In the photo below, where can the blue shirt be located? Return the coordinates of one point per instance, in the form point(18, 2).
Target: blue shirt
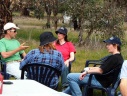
point(124, 70)
point(52, 58)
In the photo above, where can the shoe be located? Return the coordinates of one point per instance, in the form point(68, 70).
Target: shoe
point(119, 93)
point(64, 86)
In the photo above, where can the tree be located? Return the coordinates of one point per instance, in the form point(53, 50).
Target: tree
point(50, 6)
point(48, 9)
point(55, 12)
point(24, 7)
point(100, 18)
point(5, 14)
point(76, 10)
point(123, 5)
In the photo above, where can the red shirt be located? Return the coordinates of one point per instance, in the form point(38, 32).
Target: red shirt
point(65, 49)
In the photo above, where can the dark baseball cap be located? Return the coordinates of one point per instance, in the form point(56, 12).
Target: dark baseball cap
point(62, 30)
point(113, 40)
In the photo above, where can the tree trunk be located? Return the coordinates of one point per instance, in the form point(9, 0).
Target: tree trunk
point(5, 14)
point(75, 23)
point(48, 10)
point(55, 12)
point(80, 37)
point(86, 41)
point(126, 15)
point(80, 40)
point(48, 21)
point(55, 22)
point(25, 12)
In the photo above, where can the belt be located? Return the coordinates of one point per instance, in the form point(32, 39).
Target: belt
point(14, 61)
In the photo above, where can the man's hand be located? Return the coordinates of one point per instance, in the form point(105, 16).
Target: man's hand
point(23, 47)
point(81, 77)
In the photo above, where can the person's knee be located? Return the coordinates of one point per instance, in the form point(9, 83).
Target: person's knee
point(73, 77)
point(70, 76)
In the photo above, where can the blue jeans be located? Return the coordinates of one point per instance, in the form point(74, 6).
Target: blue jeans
point(75, 82)
point(64, 74)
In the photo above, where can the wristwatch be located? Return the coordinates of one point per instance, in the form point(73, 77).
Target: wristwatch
point(86, 71)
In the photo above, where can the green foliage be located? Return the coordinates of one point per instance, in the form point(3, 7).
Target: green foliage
point(62, 8)
point(99, 17)
point(39, 13)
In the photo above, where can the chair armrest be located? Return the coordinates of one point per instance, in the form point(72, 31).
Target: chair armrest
point(91, 75)
point(93, 62)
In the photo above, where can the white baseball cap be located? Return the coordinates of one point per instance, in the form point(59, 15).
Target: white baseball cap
point(10, 25)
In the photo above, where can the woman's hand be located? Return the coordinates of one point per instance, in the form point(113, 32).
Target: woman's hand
point(66, 63)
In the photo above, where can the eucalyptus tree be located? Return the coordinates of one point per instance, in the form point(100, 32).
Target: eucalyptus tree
point(51, 6)
point(86, 13)
point(48, 6)
point(5, 14)
point(55, 7)
point(123, 5)
point(99, 17)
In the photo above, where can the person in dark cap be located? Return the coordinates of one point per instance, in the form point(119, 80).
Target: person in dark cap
point(68, 50)
point(113, 61)
point(113, 40)
point(46, 53)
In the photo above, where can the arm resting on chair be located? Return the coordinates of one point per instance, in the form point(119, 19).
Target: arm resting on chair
point(112, 71)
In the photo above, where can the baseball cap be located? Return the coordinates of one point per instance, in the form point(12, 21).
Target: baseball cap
point(10, 25)
point(62, 30)
point(113, 40)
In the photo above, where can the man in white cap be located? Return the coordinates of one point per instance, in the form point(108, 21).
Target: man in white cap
point(11, 50)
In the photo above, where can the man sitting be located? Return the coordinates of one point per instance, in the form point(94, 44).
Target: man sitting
point(11, 50)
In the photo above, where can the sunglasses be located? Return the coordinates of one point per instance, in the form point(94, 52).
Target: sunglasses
point(13, 31)
point(59, 33)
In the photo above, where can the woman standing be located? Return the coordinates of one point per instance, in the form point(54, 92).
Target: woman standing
point(68, 50)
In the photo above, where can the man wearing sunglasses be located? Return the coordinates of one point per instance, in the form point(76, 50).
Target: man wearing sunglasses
point(11, 50)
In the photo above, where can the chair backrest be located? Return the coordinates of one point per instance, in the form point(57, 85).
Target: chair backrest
point(40, 72)
point(3, 70)
point(116, 81)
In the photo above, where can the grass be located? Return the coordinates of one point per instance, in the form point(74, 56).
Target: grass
point(31, 28)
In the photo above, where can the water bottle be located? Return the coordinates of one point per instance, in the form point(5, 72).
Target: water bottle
point(1, 83)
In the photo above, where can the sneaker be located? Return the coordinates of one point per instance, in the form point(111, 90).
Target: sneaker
point(119, 93)
point(64, 86)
